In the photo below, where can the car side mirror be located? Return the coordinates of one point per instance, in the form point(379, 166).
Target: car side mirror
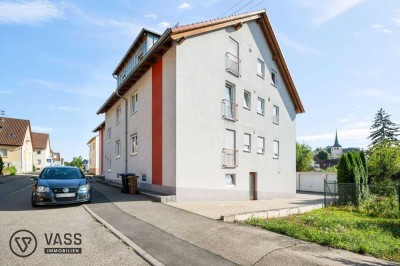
point(35, 178)
point(88, 177)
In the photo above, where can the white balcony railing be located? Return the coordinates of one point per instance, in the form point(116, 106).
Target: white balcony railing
point(229, 158)
point(232, 64)
point(229, 110)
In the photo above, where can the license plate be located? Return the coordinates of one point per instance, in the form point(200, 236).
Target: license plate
point(65, 195)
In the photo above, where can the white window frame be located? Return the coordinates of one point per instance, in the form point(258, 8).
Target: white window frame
point(118, 115)
point(38, 161)
point(247, 148)
point(233, 178)
point(134, 103)
point(262, 111)
point(275, 149)
point(109, 134)
point(262, 64)
point(262, 151)
point(109, 164)
point(274, 77)
point(4, 152)
point(118, 149)
point(247, 105)
point(134, 144)
point(275, 114)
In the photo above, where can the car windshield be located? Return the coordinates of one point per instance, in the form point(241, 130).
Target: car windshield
point(61, 173)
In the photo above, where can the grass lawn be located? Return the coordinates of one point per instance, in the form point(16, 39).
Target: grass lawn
point(341, 228)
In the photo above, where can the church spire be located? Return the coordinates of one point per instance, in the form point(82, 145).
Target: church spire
point(336, 141)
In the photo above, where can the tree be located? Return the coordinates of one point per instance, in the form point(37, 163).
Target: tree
point(304, 157)
point(384, 162)
point(321, 154)
point(383, 129)
point(1, 165)
point(344, 173)
point(76, 161)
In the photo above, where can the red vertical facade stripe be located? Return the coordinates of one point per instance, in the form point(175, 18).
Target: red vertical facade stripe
point(157, 123)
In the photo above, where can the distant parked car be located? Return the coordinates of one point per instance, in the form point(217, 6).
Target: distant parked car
point(61, 185)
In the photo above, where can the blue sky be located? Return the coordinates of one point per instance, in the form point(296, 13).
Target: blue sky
point(57, 58)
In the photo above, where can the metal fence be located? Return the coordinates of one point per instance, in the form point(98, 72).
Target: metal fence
point(352, 194)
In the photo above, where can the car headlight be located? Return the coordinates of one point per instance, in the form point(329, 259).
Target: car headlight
point(84, 188)
point(42, 189)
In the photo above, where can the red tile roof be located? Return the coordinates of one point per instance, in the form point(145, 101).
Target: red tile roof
point(12, 131)
point(39, 140)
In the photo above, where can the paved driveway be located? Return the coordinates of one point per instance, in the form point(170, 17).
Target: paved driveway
point(216, 209)
point(99, 246)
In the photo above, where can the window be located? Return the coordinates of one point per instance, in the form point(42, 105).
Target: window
point(109, 134)
point(118, 148)
point(275, 114)
point(118, 115)
point(3, 152)
point(260, 145)
point(275, 152)
point(260, 106)
point(247, 142)
point(134, 144)
point(260, 68)
point(144, 177)
point(228, 104)
point(274, 78)
point(140, 55)
point(123, 75)
point(247, 100)
point(38, 152)
point(229, 151)
point(109, 164)
point(134, 103)
point(232, 57)
point(38, 161)
point(229, 180)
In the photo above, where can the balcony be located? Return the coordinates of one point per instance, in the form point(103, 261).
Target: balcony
point(229, 110)
point(232, 64)
point(229, 158)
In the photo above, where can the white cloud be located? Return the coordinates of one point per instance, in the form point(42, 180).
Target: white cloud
point(185, 6)
point(378, 95)
point(387, 31)
point(328, 10)
point(152, 16)
point(41, 129)
point(396, 21)
point(28, 12)
point(376, 26)
point(64, 108)
point(380, 27)
point(344, 120)
point(6, 92)
point(368, 93)
point(164, 24)
point(292, 44)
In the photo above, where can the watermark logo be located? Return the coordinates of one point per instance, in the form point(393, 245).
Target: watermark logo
point(23, 243)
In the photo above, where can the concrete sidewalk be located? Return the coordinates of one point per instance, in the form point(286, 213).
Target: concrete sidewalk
point(163, 231)
point(218, 209)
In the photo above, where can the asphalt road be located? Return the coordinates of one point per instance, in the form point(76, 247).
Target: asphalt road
point(69, 227)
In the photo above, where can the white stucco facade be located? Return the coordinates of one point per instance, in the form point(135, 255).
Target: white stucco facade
point(193, 133)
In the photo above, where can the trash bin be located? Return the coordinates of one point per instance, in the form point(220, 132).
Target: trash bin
point(132, 183)
point(124, 178)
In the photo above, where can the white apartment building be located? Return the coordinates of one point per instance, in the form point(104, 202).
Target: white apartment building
point(205, 111)
point(94, 154)
point(41, 150)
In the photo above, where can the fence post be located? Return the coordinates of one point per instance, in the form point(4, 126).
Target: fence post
point(324, 192)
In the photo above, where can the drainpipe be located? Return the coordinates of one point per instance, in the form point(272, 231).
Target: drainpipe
point(126, 129)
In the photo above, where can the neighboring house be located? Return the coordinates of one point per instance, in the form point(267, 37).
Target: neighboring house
point(324, 164)
point(94, 150)
point(205, 111)
point(41, 150)
point(16, 144)
point(57, 160)
point(100, 150)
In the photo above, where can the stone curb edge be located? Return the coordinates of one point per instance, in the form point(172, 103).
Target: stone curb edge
point(138, 250)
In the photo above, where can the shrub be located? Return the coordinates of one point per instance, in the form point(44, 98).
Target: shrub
point(1, 166)
point(33, 168)
point(381, 207)
point(12, 170)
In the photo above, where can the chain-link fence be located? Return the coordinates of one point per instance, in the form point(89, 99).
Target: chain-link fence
point(354, 194)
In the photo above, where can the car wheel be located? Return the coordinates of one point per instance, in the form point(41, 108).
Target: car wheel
point(33, 203)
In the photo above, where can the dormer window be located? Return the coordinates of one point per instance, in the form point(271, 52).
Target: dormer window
point(140, 56)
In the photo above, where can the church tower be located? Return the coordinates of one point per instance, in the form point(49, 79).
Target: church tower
point(336, 150)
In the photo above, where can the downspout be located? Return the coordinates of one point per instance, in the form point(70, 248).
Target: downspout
point(126, 129)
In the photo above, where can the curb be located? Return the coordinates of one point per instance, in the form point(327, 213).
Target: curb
point(138, 250)
point(239, 217)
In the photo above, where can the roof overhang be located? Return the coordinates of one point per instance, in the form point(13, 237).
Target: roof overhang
point(102, 125)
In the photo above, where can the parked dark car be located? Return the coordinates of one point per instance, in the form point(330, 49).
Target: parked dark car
point(61, 185)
